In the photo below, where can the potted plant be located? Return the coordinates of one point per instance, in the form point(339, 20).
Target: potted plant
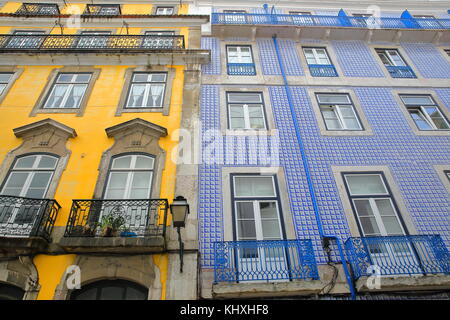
point(111, 224)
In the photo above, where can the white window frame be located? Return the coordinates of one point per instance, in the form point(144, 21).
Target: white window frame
point(336, 109)
point(423, 114)
point(239, 55)
point(70, 85)
point(372, 202)
point(4, 84)
point(316, 55)
point(388, 55)
point(130, 175)
point(147, 90)
point(163, 11)
point(245, 106)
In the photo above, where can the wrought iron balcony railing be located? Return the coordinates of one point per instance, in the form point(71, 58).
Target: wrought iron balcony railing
point(38, 9)
point(329, 21)
point(26, 217)
point(322, 70)
point(397, 255)
point(401, 72)
point(268, 260)
point(126, 218)
point(89, 43)
point(241, 69)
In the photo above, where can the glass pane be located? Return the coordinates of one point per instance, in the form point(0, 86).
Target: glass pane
point(392, 226)
point(257, 123)
point(417, 100)
point(40, 179)
point(65, 77)
point(117, 180)
point(333, 98)
point(237, 123)
point(420, 121)
point(255, 111)
point(74, 96)
point(56, 96)
point(333, 124)
point(25, 162)
point(369, 226)
point(112, 293)
point(4, 77)
point(385, 207)
point(351, 123)
point(35, 193)
point(254, 187)
point(271, 229)
point(237, 111)
point(143, 162)
point(246, 229)
point(133, 294)
point(136, 98)
point(90, 294)
point(268, 210)
point(245, 97)
point(122, 162)
point(141, 180)
point(47, 162)
point(141, 77)
point(17, 179)
point(245, 210)
point(363, 208)
point(365, 184)
point(158, 77)
point(155, 95)
point(139, 193)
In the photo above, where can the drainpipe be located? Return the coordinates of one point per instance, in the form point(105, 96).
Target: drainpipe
point(325, 238)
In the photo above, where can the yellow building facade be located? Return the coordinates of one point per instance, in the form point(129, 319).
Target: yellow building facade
point(91, 101)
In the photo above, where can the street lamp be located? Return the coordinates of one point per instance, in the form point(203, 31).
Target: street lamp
point(179, 209)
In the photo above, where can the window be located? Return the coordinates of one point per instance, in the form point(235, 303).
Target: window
point(9, 292)
point(246, 110)
point(4, 81)
point(26, 39)
point(256, 208)
point(30, 176)
point(447, 173)
point(302, 18)
point(130, 177)
point(447, 52)
point(111, 290)
point(338, 112)
point(147, 90)
point(373, 204)
point(93, 39)
point(395, 64)
point(319, 63)
point(240, 60)
point(158, 39)
point(164, 10)
point(235, 16)
point(360, 19)
point(428, 22)
point(103, 10)
point(42, 8)
point(425, 112)
point(68, 90)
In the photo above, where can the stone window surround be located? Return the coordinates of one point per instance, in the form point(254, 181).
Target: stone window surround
point(283, 197)
point(345, 200)
point(331, 56)
point(373, 48)
point(53, 132)
point(421, 91)
point(123, 145)
point(440, 169)
point(165, 109)
point(367, 129)
point(17, 72)
point(165, 5)
point(267, 108)
point(21, 273)
point(258, 78)
point(51, 80)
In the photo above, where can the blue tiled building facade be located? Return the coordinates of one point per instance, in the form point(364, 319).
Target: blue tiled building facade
point(417, 161)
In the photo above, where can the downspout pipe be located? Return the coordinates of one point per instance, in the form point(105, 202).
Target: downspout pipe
point(325, 238)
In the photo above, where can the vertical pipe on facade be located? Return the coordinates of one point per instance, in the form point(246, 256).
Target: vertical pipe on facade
point(308, 173)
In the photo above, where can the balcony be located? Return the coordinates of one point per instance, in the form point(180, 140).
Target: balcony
point(269, 260)
point(399, 255)
point(401, 72)
point(116, 226)
point(322, 70)
point(329, 21)
point(44, 9)
point(89, 43)
point(26, 224)
point(241, 69)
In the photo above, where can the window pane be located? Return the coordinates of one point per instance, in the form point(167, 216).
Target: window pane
point(16, 181)
point(254, 187)
point(56, 96)
point(257, 123)
point(155, 95)
point(270, 229)
point(143, 162)
point(122, 162)
point(5, 77)
point(420, 120)
point(245, 210)
point(333, 98)
point(363, 208)
point(365, 184)
point(385, 207)
point(245, 97)
point(246, 229)
point(237, 111)
point(136, 98)
point(112, 293)
point(40, 179)
point(47, 162)
point(74, 96)
point(237, 123)
point(25, 162)
point(141, 180)
point(417, 100)
point(118, 180)
point(392, 226)
point(268, 210)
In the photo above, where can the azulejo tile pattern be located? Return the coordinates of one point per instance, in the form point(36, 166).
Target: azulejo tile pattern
point(428, 59)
